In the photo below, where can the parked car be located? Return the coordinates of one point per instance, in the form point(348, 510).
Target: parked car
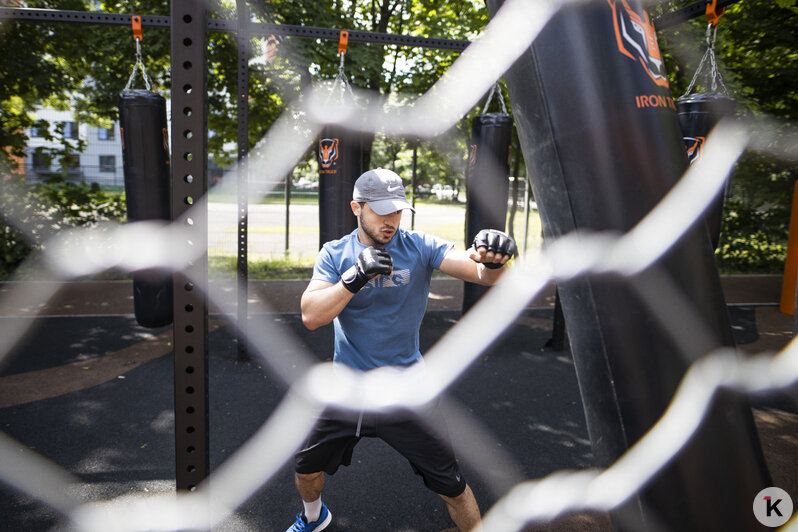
point(306, 184)
point(443, 192)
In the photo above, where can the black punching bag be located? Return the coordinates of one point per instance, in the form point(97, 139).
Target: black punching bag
point(487, 185)
point(600, 134)
point(145, 156)
point(340, 154)
point(698, 114)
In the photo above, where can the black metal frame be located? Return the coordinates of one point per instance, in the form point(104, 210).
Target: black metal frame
point(232, 26)
point(189, 184)
point(242, 270)
point(189, 26)
point(310, 32)
point(689, 12)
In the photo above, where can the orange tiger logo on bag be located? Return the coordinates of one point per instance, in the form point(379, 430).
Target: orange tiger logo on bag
point(328, 152)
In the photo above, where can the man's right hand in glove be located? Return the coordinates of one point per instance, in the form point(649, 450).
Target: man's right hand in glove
point(370, 263)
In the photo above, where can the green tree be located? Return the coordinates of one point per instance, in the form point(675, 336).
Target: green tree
point(758, 59)
point(45, 209)
point(70, 66)
point(84, 67)
point(403, 72)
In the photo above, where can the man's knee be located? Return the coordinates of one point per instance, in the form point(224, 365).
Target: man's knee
point(308, 477)
point(465, 495)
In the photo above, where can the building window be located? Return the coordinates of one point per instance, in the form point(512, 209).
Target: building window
point(71, 164)
point(105, 133)
point(38, 129)
point(41, 160)
point(70, 130)
point(107, 163)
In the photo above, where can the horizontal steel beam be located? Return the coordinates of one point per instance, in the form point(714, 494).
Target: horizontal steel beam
point(678, 16)
point(311, 32)
point(84, 17)
point(222, 25)
point(308, 32)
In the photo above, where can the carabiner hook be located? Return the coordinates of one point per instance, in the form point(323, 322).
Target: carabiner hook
point(138, 33)
point(712, 12)
point(343, 40)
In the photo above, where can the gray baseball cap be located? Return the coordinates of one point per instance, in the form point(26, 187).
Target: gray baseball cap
point(383, 190)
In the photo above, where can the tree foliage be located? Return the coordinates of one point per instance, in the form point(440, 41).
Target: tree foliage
point(45, 209)
point(399, 71)
point(758, 59)
point(84, 67)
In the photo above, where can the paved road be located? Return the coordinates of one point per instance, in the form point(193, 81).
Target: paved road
point(94, 395)
point(111, 421)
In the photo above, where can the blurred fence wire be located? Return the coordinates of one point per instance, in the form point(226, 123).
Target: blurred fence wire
point(139, 246)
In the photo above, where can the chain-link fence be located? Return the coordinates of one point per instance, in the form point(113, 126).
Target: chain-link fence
point(133, 247)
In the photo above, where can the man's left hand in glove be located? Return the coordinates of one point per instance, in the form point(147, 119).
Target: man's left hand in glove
point(493, 248)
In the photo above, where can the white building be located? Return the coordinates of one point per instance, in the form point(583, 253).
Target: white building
point(100, 162)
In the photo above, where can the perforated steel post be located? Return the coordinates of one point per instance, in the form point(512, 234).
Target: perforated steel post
point(242, 38)
point(189, 185)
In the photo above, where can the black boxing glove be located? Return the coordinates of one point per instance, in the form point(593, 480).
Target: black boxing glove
point(370, 263)
point(498, 242)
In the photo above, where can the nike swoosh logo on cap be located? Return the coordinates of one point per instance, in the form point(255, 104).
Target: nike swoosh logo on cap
point(395, 188)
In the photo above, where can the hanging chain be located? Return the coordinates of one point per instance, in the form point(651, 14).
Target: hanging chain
point(138, 65)
point(341, 83)
point(716, 78)
point(494, 89)
point(713, 78)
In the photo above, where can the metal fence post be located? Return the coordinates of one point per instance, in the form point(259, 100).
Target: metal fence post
point(189, 185)
point(242, 276)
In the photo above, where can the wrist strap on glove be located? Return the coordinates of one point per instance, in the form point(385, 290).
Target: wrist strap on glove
point(353, 280)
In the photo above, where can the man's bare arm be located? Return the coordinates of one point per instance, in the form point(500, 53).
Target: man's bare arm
point(484, 262)
point(463, 265)
point(322, 301)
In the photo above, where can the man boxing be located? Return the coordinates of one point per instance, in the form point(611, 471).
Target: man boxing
point(373, 284)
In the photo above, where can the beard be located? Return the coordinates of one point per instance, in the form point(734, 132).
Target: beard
point(376, 236)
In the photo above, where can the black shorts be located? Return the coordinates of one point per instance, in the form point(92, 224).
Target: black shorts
point(333, 439)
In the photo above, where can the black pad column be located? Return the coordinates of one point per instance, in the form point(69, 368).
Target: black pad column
point(698, 114)
point(340, 154)
point(145, 159)
point(487, 185)
point(599, 129)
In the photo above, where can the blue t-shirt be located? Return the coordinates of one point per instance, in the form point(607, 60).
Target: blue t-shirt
point(380, 325)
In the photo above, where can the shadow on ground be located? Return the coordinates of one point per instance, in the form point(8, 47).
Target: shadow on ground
point(113, 429)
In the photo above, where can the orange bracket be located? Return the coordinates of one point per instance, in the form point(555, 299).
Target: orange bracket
point(343, 40)
point(712, 12)
point(138, 34)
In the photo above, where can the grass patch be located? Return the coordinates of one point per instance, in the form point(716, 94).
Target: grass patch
point(220, 267)
point(304, 197)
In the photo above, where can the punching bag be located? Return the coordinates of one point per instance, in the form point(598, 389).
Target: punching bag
point(145, 157)
point(600, 133)
point(698, 114)
point(340, 155)
point(487, 185)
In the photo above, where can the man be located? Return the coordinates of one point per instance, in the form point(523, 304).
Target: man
point(374, 284)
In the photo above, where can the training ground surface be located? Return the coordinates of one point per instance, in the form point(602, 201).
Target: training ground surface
point(92, 391)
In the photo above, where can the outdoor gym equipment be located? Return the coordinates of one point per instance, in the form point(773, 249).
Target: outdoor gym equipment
point(487, 186)
point(145, 159)
point(189, 26)
point(596, 120)
point(340, 158)
point(700, 112)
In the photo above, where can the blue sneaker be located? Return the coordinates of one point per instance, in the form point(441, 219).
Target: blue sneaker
point(300, 525)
